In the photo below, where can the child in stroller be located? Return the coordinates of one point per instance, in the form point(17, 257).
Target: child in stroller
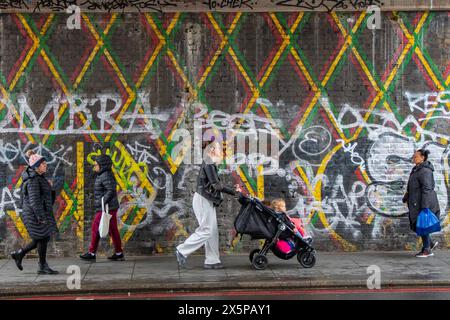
point(284, 236)
point(286, 242)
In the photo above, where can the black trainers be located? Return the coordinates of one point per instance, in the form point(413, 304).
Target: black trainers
point(18, 256)
point(213, 266)
point(45, 269)
point(117, 257)
point(425, 254)
point(88, 256)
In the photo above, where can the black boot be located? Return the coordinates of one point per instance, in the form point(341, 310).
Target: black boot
point(18, 256)
point(45, 269)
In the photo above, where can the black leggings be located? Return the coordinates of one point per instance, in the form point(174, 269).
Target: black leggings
point(41, 246)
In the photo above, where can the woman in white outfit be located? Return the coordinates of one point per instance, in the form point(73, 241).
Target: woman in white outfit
point(207, 197)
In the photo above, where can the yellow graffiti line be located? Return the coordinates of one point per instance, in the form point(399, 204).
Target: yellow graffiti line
point(305, 178)
point(269, 116)
point(245, 180)
point(151, 61)
point(127, 214)
point(339, 24)
point(181, 72)
point(173, 22)
point(211, 64)
point(336, 62)
point(243, 72)
point(446, 172)
point(97, 47)
point(447, 82)
point(284, 44)
point(18, 224)
point(54, 72)
point(370, 219)
point(79, 213)
point(334, 122)
point(69, 204)
point(366, 70)
point(407, 48)
point(138, 218)
point(163, 151)
point(222, 45)
point(359, 22)
point(47, 24)
point(173, 164)
point(253, 89)
point(436, 82)
point(29, 54)
point(429, 70)
point(365, 175)
point(260, 181)
point(155, 28)
point(131, 93)
point(304, 70)
point(310, 108)
point(177, 124)
point(348, 42)
point(149, 64)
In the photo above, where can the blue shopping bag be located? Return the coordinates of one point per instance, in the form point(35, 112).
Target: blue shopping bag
point(427, 223)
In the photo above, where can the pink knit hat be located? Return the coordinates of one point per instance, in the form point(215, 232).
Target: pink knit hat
point(35, 159)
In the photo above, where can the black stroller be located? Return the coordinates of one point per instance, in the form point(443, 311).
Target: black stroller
point(262, 222)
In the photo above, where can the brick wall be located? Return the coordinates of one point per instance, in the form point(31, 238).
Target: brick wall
point(349, 104)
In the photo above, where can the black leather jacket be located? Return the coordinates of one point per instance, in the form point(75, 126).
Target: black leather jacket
point(209, 184)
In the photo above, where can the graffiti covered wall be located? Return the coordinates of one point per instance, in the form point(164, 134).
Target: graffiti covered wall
point(349, 106)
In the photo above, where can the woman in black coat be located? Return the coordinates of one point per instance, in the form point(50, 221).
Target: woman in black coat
point(421, 195)
point(105, 189)
point(37, 212)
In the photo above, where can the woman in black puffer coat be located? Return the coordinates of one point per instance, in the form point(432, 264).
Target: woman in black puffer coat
point(105, 187)
point(37, 212)
point(421, 195)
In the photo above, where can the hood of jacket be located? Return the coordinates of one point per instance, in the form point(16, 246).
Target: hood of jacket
point(426, 164)
point(104, 162)
point(28, 174)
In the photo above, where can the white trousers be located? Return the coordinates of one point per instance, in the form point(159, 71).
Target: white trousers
point(206, 234)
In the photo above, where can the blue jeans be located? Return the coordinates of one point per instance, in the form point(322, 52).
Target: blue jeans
point(426, 242)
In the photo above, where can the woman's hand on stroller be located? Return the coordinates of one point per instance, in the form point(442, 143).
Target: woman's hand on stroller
point(237, 188)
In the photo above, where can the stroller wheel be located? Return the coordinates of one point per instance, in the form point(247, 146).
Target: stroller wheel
point(306, 259)
point(259, 261)
point(252, 254)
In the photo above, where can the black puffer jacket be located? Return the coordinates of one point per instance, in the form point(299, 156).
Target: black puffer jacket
point(37, 205)
point(420, 192)
point(209, 184)
point(105, 185)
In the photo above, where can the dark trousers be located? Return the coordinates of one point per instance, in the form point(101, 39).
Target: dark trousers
point(41, 246)
point(113, 232)
point(426, 242)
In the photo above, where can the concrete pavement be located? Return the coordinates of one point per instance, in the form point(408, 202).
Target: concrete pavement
point(160, 273)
